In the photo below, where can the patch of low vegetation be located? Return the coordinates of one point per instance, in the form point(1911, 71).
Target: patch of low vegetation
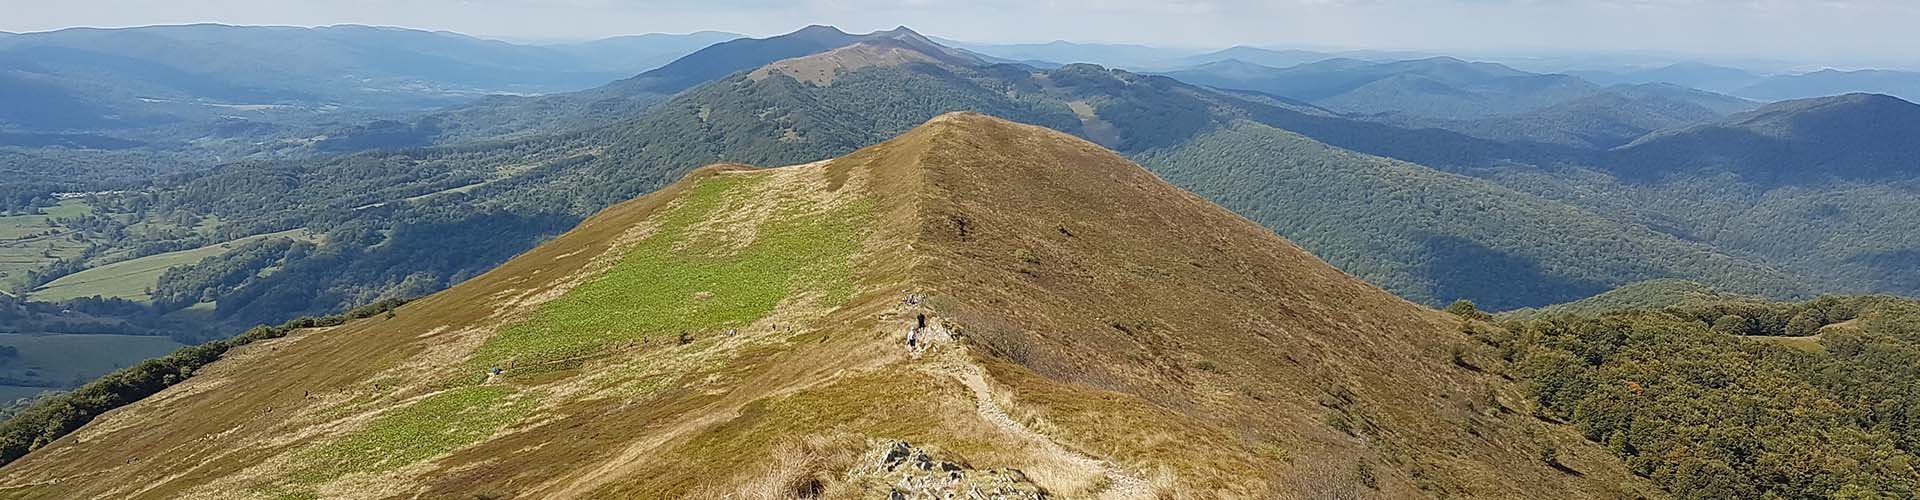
point(681, 281)
point(432, 426)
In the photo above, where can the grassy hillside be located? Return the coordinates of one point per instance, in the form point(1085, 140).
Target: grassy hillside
point(670, 347)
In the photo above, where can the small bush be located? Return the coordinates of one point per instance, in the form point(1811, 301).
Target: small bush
point(1339, 422)
point(1465, 309)
point(1363, 474)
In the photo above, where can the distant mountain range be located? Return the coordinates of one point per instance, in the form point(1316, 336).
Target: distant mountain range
point(1852, 137)
point(1762, 87)
point(632, 54)
point(1440, 87)
point(1058, 53)
point(1686, 74)
point(336, 65)
point(1610, 117)
point(1539, 153)
point(1902, 84)
point(510, 116)
point(1149, 58)
point(1425, 212)
point(200, 92)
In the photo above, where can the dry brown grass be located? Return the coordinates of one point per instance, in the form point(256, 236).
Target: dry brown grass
point(799, 468)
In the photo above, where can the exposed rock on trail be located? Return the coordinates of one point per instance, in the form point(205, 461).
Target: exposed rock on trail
point(898, 471)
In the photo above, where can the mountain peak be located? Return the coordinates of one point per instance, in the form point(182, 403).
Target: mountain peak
point(1855, 136)
point(879, 49)
point(1782, 118)
point(1442, 61)
point(817, 30)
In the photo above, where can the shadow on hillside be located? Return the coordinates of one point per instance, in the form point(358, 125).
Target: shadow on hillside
point(1494, 280)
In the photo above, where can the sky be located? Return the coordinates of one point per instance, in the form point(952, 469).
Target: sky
point(1833, 32)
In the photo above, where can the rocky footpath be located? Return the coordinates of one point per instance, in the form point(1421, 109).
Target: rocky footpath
point(899, 471)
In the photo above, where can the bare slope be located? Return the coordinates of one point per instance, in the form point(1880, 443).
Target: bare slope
point(1091, 332)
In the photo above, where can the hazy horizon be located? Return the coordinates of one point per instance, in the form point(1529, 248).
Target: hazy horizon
point(1845, 34)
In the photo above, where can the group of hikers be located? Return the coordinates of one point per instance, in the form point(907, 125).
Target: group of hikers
point(920, 322)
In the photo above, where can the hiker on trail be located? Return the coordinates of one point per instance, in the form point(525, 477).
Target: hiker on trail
point(913, 333)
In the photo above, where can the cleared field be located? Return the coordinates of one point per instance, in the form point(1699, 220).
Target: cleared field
point(132, 279)
point(69, 360)
point(1809, 344)
point(25, 242)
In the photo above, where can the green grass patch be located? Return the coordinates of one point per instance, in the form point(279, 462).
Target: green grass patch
point(278, 493)
point(685, 280)
point(132, 279)
point(437, 424)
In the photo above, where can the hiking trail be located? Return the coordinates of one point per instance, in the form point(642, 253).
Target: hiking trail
point(951, 360)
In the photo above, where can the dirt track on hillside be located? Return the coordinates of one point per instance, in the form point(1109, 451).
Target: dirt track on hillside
point(951, 361)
